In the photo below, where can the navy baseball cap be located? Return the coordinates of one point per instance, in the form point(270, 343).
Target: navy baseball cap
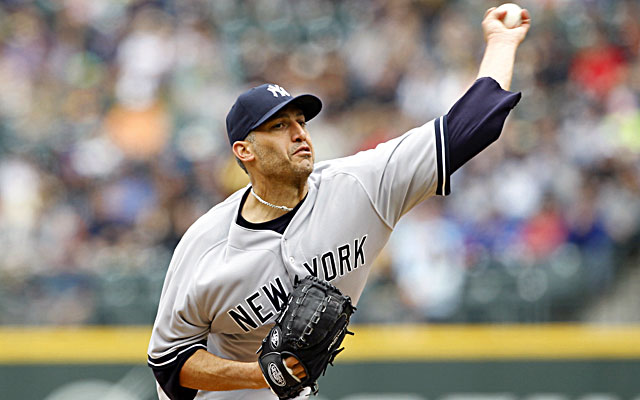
point(260, 103)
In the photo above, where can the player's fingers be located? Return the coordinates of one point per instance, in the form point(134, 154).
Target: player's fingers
point(295, 368)
point(501, 14)
point(526, 23)
point(287, 362)
point(291, 362)
point(488, 12)
point(298, 371)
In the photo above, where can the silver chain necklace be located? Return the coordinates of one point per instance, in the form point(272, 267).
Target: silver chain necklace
point(266, 203)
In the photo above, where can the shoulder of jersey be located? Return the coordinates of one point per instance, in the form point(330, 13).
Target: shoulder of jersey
point(329, 167)
point(345, 164)
point(214, 224)
point(365, 161)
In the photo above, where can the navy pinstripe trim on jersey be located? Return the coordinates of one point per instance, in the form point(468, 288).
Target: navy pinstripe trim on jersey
point(442, 154)
point(447, 167)
point(166, 370)
point(173, 356)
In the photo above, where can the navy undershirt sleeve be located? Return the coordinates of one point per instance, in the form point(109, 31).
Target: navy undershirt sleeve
point(476, 120)
point(167, 371)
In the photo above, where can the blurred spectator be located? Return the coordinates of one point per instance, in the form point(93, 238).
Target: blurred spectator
point(429, 262)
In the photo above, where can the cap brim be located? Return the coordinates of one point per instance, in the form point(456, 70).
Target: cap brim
point(308, 103)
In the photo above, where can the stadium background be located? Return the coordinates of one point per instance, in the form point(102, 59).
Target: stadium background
point(523, 283)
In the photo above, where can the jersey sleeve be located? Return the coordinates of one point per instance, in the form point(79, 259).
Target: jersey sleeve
point(399, 173)
point(476, 120)
point(180, 329)
point(166, 370)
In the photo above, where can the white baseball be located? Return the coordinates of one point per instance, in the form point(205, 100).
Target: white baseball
point(514, 15)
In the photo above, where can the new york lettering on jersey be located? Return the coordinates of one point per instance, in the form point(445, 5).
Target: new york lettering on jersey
point(251, 313)
point(260, 307)
point(337, 262)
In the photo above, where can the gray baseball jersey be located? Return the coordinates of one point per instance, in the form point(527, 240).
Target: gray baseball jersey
point(226, 283)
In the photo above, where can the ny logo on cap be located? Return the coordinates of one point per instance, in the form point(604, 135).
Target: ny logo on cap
point(275, 89)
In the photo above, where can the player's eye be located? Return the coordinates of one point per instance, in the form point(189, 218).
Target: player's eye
point(279, 125)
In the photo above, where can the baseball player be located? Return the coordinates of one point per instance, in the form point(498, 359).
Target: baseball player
point(233, 269)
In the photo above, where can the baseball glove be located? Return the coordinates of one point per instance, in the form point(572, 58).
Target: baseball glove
point(310, 328)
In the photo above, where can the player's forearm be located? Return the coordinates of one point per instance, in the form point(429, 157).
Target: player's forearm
point(205, 371)
point(498, 61)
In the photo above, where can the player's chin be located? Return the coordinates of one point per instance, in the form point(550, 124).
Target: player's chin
point(304, 165)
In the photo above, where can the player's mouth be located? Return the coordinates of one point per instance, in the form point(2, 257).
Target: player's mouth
point(303, 151)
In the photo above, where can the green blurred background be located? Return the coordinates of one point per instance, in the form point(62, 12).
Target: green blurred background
point(112, 142)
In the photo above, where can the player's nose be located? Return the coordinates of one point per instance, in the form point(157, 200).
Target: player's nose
point(298, 132)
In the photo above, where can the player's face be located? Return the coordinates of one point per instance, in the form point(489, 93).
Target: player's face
point(282, 146)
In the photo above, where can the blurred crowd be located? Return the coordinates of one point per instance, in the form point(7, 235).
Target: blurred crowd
point(112, 142)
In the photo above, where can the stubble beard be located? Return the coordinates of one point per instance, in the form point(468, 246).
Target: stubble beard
point(286, 171)
point(298, 173)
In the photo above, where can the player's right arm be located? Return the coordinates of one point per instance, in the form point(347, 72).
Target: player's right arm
point(180, 331)
point(206, 371)
point(178, 349)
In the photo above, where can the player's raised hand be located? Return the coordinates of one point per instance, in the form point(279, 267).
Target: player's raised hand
point(495, 29)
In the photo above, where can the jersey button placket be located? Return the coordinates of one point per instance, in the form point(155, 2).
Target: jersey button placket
point(286, 252)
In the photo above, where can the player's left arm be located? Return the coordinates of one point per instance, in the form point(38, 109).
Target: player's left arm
point(400, 173)
point(502, 42)
point(476, 119)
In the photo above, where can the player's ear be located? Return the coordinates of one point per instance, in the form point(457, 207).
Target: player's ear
point(243, 151)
